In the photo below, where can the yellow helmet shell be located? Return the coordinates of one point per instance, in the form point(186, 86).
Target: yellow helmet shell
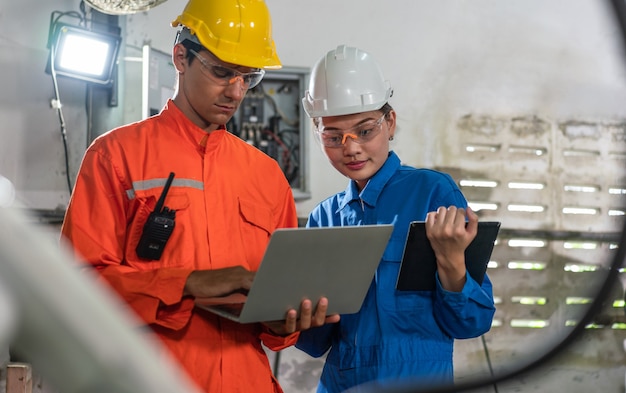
point(236, 31)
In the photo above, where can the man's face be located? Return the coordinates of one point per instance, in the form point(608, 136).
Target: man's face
point(210, 90)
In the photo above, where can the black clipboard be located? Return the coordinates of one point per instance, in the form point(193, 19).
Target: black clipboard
point(418, 265)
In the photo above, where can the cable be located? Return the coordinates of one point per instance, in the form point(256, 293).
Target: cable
point(55, 16)
point(56, 103)
point(482, 338)
point(293, 146)
point(287, 154)
point(89, 112)
point(270, 99)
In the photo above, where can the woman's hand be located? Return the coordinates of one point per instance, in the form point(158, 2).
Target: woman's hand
point(450, 234)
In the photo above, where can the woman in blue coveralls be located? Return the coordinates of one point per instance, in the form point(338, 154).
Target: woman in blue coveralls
point(397, 336)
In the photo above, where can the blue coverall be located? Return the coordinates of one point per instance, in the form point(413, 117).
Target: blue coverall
point(397, 335)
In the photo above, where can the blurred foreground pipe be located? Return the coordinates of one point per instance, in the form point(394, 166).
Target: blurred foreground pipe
point(73, 330)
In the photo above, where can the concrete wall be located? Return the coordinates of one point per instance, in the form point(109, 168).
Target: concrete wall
point(455, 66)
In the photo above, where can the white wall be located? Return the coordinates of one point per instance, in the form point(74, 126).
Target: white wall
point(30, 152)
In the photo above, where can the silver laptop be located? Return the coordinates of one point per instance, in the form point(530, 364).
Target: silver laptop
point(336, 262)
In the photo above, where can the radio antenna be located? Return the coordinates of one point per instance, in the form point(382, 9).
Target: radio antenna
point(161, 200)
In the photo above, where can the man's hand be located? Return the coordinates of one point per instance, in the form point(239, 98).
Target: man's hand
point(449, 236)
point(219, 282)
point(307, 318)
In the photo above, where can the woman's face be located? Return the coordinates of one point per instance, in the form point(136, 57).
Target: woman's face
point(357, 145)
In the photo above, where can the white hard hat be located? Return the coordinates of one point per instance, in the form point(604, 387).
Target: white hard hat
point(346, 80)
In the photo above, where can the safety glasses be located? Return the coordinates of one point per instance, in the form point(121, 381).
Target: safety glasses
point(360, 134)
point(225, 76)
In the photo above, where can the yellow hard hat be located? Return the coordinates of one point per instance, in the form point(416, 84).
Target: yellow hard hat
point(236, 31)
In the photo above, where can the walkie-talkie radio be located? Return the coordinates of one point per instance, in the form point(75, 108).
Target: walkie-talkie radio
point(158, 228)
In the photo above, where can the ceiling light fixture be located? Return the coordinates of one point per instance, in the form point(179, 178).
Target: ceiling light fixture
point(123, 7)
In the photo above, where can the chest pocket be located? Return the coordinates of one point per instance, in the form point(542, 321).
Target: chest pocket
point(255, 230)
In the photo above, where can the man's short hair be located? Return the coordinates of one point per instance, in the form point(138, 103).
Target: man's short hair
point(185, 34)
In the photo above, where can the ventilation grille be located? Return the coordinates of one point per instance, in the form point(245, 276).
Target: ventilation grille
point(559, 189)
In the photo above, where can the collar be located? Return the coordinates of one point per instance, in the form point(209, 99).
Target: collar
point(374, 186)
point(187, 129)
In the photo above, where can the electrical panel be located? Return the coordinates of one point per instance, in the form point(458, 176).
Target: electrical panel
point(272, 119)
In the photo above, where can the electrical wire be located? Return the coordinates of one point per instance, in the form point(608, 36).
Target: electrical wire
point(284, 118)
point(288, 159)
point(482, 339)
point(286, 162)
point(293, 145)
point(55, 17)
point(56, 103)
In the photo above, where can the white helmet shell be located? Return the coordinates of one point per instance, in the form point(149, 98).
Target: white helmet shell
point(346, 80)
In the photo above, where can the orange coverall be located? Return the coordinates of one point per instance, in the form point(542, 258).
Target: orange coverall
point(228, 196)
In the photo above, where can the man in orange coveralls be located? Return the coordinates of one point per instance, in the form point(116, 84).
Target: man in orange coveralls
point(227, 198)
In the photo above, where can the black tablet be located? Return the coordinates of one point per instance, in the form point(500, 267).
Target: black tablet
point(418, 266)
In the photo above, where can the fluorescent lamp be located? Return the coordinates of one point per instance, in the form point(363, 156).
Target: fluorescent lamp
point(535, 243)
point(478, 183)
point(477, 206)
point(525, 208)
point(526, 186)
point(526, 265)
point(529, 323)
point(580, 210)
point(482, 148)
point(84, 54)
